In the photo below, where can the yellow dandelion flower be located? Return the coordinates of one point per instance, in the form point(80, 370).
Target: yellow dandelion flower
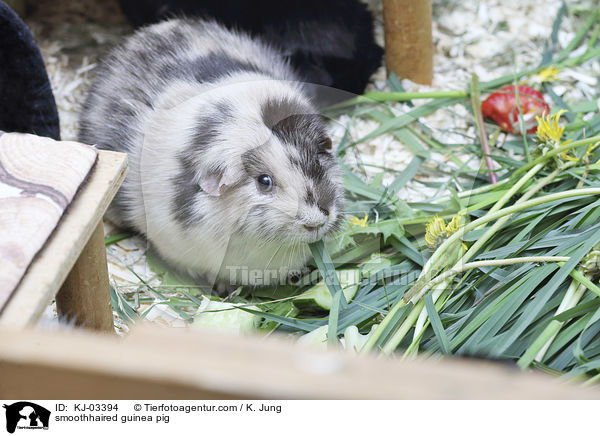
point(437, 230)
point(453, 225)
point(549, 130)
point(546, 75)
point(434, 231)
point(549, 133)
point(360, 222)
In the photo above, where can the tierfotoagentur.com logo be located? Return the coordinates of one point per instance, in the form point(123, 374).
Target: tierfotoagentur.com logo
point(25, 415)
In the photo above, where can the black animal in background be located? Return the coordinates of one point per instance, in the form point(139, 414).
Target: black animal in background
point(329, 42)
point(26, 100)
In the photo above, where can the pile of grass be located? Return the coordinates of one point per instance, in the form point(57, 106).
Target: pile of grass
point(506, 270)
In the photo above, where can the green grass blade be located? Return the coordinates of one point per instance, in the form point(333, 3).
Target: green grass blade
point(436, 324)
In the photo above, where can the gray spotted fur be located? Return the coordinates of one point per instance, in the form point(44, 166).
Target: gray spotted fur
point(202, 112)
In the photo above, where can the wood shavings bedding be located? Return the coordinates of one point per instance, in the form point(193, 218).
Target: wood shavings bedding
point(491, 38)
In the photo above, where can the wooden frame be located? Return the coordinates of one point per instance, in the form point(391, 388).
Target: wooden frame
point(153, 363)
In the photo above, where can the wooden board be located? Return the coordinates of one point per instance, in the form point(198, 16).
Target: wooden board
point(180, 364)
point(52, 264)
point(38, 179)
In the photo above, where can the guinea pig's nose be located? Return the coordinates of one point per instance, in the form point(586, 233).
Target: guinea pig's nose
point(314, 219)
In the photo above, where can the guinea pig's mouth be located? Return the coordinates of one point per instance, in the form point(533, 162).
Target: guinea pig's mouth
point(309, 231)
point(313, 235)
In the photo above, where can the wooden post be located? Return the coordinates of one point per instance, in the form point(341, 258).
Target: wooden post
point(408, 39)
point(85, 295)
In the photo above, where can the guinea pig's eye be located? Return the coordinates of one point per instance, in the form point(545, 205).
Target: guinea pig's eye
point(265, 183)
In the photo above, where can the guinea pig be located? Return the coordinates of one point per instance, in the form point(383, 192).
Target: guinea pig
point(231, 173)
point(329, 42)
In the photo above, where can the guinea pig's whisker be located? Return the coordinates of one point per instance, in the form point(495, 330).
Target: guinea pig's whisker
point(304, 247)
point(295, 249)
point(272, 257)
point(290, 251)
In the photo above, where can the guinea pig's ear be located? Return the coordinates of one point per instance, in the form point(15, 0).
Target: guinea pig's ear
point(325, 143)
point(216, 181)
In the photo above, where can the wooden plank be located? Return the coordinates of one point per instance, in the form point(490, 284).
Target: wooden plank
point(182, 364)
point(49, 269)
point(84, 298)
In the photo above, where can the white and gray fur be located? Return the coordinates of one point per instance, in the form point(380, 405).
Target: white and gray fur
point(202, 112)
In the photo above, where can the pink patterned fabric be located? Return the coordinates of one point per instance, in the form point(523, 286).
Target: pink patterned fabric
point(38, 179)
